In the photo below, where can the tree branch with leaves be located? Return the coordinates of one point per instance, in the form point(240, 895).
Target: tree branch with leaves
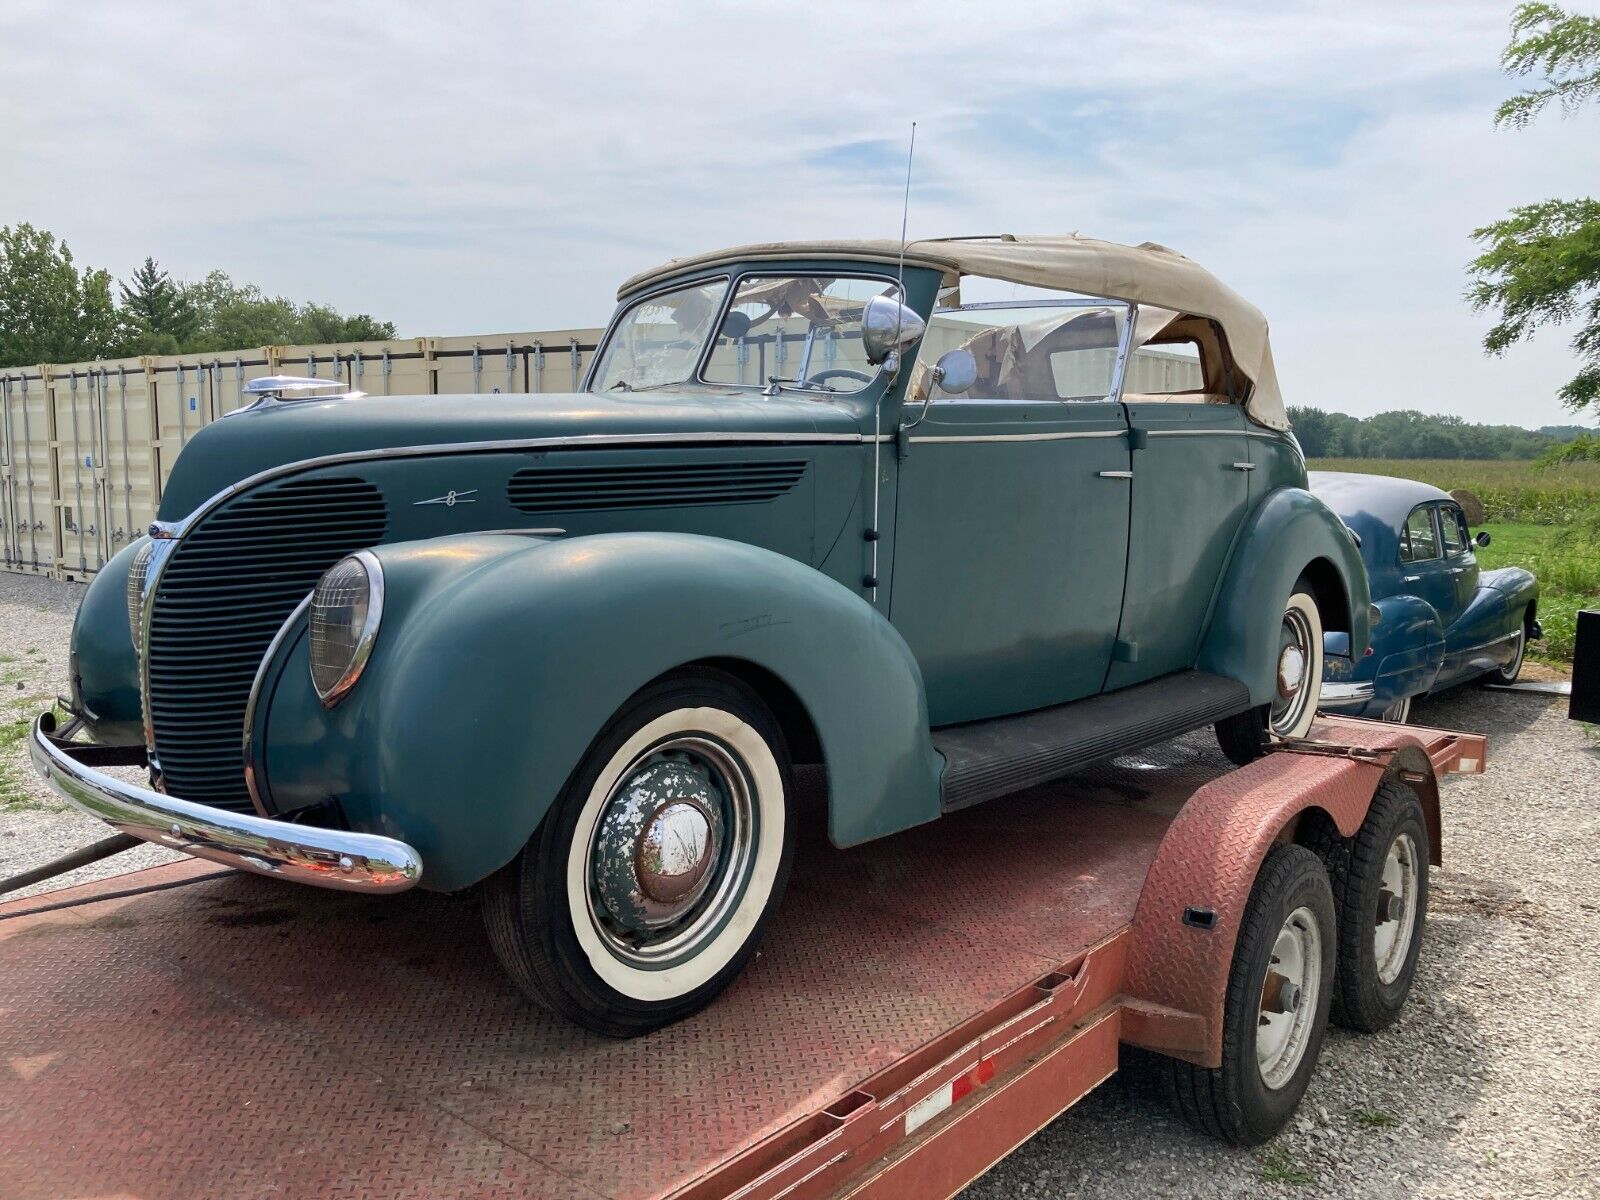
point(1541, 264)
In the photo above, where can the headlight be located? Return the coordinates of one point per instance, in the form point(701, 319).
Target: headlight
point(345, 610)
point(138, 570)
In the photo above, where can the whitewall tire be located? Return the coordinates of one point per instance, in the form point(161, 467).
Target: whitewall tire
point(649, 883)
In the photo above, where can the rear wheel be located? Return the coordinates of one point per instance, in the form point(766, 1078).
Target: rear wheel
point(1399, 712)
point(1298, 684)
point(1380, 884)
point(1276, 1010)
point(650, 881)
point(1512, 669)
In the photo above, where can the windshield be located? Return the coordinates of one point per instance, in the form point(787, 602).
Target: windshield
point(658, 341)
point(800, 332)
point(794, 332)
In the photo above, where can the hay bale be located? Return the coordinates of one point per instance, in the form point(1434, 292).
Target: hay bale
point(1470, 505)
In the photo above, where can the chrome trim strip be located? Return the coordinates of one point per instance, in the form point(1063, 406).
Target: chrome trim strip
point(1346, 693)
point(273, 647)
point(1046, 302)
point(330, 858)
point(178, 529)
point(1274, 437)
point(1023, 437)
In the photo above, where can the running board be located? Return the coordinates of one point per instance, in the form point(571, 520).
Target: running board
point(986, 759)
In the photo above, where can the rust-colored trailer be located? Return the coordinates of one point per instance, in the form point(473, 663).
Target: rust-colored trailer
point(921, 1006)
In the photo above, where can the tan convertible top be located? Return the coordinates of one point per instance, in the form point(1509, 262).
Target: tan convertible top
point(1146, 274)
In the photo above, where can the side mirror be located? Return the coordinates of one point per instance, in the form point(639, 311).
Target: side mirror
point(888, 327)
point(955, 372)
point(1482, 539)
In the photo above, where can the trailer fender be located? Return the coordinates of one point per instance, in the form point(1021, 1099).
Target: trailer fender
point(501, 657)
point(1193, 901)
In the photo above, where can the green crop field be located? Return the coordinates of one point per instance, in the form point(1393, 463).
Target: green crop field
point(1544, 519)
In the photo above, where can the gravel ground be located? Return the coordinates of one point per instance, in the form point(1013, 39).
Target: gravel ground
point(35, 827)
point(1489, 1085)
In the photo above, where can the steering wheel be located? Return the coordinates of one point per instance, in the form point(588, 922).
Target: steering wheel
point(839, 373)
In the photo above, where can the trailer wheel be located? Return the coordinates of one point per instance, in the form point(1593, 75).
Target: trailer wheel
point(1244, 737)
point(649, 883)
point(1380, 884)
point(1276, 1010)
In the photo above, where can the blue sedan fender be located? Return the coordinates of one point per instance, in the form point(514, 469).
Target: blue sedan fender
point(1290, 534)
point(500, 657)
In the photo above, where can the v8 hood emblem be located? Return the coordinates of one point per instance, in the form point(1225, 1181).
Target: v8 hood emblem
point(450, 499)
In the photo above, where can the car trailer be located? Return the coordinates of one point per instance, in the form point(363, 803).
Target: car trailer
point(921, 1006)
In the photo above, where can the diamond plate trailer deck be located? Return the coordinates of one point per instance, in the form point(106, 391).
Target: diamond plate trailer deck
point(921, 1006)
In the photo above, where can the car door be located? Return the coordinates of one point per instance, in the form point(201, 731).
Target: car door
point(1011, 536)
point(1188, 493)
point(1423, 570)
point(1467, 627)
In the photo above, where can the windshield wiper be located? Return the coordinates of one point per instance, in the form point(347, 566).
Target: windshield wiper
point(776, 385)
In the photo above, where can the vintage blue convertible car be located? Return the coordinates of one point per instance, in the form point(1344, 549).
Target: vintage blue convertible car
point(1441, 621)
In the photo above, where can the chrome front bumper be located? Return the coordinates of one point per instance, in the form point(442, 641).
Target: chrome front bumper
point(330, 858)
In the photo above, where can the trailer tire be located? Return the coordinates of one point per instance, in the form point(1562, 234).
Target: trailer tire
point(648, 885)
point(1289, 922)
point(1373, 979)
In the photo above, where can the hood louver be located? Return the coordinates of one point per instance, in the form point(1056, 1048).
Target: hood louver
point(656, 485)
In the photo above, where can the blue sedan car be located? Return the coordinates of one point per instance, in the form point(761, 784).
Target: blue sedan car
point(1441, 621)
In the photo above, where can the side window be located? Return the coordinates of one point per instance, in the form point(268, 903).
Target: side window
point(1453, 525)
point(1165, 368)
point(1420, 542)
point(1029, 353)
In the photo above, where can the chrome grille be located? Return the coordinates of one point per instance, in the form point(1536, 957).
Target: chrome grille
point(229, 586)
point(655, 485)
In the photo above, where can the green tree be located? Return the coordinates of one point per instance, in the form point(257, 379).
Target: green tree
point(1541, 264)
point(232, 315)
point(50, 311)
point(159, 315)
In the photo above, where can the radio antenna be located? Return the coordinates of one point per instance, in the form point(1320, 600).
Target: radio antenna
point(875, 533)
point(905, 213)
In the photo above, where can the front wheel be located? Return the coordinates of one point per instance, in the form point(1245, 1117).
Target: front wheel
point(650, 881)
point(1276, 1010)
point(1298, 684)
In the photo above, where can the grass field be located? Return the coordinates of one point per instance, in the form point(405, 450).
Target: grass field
point(1547, 520)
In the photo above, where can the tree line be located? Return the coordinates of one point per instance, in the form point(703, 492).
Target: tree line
point(1410, 434)
point(53, 311)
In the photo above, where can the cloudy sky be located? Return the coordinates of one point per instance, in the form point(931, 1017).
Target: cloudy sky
point(482, 167)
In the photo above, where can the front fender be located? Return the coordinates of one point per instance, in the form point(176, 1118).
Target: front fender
point(1291, 533)
point(501, 657)
point(104, 664)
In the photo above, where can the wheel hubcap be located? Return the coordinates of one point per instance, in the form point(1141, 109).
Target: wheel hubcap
point(1289, 998)
point(1396, 918)
point(675, 851)
point(1294, 657)
point(670, 852)
point(1291, 671)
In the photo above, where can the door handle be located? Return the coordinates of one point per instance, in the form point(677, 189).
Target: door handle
point(1116, 474)
point(1244, 466)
